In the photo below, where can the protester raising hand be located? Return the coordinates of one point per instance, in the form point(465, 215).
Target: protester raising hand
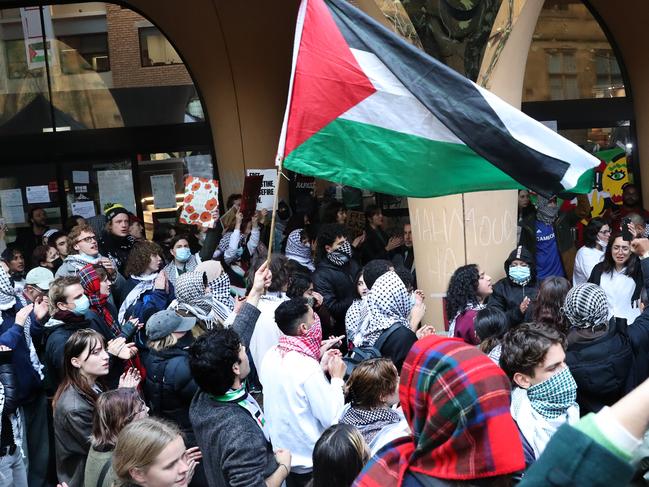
point(23, 314)
point(130, 379)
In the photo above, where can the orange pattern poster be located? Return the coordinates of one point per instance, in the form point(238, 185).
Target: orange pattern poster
point(200, 202)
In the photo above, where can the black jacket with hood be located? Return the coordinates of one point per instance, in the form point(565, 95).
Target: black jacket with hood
point(507, 295)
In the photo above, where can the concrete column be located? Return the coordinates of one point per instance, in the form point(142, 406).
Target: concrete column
point(479, 227)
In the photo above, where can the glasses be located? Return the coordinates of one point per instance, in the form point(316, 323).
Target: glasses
point(88, 239)
point(605, 232)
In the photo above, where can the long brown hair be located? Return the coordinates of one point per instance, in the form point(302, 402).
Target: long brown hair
point(549, 303)
point(72, 377)
point(113, 410)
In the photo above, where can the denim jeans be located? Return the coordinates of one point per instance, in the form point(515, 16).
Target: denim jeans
point(12, 470)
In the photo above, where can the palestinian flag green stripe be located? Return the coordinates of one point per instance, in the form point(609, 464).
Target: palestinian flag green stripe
point(394, 162)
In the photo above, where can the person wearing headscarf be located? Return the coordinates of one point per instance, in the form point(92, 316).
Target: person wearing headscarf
point(204, 294)
point(607, 357)
point(547, 234)
point(456, 402)
point(514, 293)
point(116, 242)
point(389, 303)
point(298, 248)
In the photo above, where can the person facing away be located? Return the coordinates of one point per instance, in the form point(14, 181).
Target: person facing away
point(300, 402)
point(230, 427)
point(545, 393)
point(338, 457)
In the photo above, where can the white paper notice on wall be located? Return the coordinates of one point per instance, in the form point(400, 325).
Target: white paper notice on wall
point(116, 187)
point(163, 187)
point(267, 194)
point(85, 209)
point(200, 166)
point(11, 201)
point(81, 177)
point(37, 194)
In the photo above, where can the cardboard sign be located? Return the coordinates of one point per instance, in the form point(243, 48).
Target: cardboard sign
point(200, 201)
point(267, 194)
point(251, 189)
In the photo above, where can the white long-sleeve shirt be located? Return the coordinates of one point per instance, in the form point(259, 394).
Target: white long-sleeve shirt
point(230, 254)
point(299, 404)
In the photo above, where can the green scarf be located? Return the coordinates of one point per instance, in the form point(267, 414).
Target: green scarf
point(241, 397)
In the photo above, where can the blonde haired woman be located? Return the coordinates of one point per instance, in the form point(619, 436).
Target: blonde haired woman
point(152, 453)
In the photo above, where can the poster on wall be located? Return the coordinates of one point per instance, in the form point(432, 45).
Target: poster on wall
point(37, 194)
point(116, 186)
point(11, 202)
point(85, 209)
point(163, 187)
point(267, 194)
point(200, 200)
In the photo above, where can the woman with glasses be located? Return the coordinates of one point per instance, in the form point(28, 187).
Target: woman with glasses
point(596, 235)
point(113, 411)
point(620, 276)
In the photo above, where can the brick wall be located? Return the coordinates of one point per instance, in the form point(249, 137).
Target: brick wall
point(124, 47)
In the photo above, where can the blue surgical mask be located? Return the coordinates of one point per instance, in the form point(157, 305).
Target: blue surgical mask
point(81, 305)
point(183, 254)
point(519, 274)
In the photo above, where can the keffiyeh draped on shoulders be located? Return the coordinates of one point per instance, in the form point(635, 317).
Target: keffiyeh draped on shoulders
point(388, 302)
point(209, 308)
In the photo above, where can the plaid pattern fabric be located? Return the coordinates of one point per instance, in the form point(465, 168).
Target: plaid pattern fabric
point(456, 401)
point(90, 282)
point(586, 306)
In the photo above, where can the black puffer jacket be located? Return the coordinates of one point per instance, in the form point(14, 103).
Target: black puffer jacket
point(603, 366)
point(336, 284)
point(116, 248)
point(169, 386)
point(507, 295)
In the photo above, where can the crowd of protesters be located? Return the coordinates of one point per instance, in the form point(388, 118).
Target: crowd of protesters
point(195, 359)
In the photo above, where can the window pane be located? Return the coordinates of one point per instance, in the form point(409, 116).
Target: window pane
point(568, 40)
point(24, 99)
point(155, 49)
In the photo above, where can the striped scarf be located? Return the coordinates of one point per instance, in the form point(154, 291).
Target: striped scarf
point(456, 401)
point(246, 401)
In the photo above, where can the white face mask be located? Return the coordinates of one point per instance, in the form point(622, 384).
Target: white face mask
point(601, 243)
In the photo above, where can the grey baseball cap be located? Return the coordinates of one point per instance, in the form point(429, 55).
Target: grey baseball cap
point(165, 322)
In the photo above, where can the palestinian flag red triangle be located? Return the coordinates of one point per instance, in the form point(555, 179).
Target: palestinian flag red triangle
point(328, 80)
point(367, 109)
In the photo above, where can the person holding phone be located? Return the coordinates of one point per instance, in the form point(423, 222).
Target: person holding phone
point(620, 275)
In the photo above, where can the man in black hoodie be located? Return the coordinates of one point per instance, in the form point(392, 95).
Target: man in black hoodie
point(514, 293)
point(115, 242)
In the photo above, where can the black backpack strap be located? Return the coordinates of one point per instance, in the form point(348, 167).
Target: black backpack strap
point(104, 471)
point(380, 341)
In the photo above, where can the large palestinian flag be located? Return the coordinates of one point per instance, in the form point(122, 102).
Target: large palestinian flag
point(367, 109)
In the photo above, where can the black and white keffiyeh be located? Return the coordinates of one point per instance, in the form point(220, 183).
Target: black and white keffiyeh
point(388, 302)
point(341, 255)
point(172, 271)
point(370, 421)
point(225, 241)
point(145, 282)
point(355, 318)
point(7, 293)
point(210, 308)
point(586, 306)
point(544, 211)
point(298, 251)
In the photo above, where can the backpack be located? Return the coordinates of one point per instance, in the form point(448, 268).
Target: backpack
point(360, 354)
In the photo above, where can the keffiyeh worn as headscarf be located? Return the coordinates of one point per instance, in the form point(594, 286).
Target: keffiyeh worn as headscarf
point(91, 284)
point(388, 302)
point(298, 251)
point(586, 306)
point(456, 401)
point(544, 211)
point(209, 308)
point(307, 344)
point(355, 320)
point(7, 294)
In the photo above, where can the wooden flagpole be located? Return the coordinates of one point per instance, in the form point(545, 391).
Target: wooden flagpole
point(274, 214)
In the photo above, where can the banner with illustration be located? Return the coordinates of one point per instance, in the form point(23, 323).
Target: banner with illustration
point(200, 202)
